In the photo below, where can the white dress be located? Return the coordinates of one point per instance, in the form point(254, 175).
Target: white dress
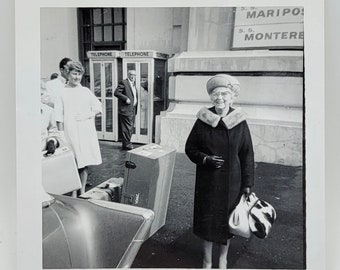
point(81, 135)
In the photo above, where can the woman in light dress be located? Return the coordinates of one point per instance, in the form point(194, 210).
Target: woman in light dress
point(75, 111)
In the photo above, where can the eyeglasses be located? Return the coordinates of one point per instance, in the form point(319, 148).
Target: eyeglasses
point(223, 94)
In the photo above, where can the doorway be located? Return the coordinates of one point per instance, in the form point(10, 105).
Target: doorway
point(103, 83)
point(142, 132)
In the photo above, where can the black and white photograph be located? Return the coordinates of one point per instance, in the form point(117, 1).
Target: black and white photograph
point(193, 113)
point(171, 136)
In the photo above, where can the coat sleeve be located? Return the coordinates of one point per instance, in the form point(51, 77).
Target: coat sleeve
point(192, 146)
point(246, 156)
point(120, 92)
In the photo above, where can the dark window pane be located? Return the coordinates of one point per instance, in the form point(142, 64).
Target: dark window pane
point(107, 15)
point(159, 83)
point(131, 66)
point(98, 121)
point(118, 33)
point(97, 80)
point(108, 115)
point(107, 33)
point(86, 81)
point(143, 98)
point(97, 16)
point(98, 35)
point(108, 79)
point(86, 16)
point(87, 34)
point(118, 15)
point(87, 67)
point(87, 47)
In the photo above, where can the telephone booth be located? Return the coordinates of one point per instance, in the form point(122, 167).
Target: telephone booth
point(151, 81)
point(103, 81)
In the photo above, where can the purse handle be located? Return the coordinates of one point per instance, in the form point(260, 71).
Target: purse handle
point(256, 199)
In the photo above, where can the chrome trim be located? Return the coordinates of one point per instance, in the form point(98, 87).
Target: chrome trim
point(48, 203)
point(140, 236)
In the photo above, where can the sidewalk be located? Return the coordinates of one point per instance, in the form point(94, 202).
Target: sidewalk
point(175, 246)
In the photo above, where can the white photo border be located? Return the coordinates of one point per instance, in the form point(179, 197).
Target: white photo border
point(27, 61)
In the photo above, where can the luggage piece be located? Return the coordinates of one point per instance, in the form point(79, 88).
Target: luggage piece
point(59, 172)
point(147, 180)
point(110, 190)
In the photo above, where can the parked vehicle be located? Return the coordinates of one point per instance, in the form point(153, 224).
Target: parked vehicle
point(79, 233)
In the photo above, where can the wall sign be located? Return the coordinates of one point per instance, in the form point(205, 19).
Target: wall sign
point(276, 27)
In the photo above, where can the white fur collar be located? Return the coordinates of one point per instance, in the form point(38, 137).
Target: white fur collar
point(212, 119)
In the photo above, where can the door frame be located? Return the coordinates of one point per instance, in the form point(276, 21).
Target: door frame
point(103, 134)
point(137, 137)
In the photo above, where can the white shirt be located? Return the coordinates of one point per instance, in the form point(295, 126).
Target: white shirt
point(54, 89)
point(134, 91)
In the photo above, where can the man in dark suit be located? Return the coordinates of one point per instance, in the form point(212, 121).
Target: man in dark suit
point(126, 93)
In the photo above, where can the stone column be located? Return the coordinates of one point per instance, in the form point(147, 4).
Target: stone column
point(210, 29)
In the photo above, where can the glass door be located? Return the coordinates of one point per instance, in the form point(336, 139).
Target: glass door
point(103, 83)
point(143, 122)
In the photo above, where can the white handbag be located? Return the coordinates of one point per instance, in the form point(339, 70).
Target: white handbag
point(239, 217)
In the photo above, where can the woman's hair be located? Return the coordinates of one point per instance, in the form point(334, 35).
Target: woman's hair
point(75, 65)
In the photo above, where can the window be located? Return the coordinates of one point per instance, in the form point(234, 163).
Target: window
point(100, 29)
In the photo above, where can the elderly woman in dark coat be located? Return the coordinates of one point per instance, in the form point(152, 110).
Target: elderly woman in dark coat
point(220, 145)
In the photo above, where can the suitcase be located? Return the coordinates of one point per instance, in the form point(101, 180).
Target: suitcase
point(110, 190)
point(59, 172)
point(147, 180)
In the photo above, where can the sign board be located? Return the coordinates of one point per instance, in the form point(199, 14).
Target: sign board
point(143, 54)
point(126, 54)
point(103, 54)
point(275, 27)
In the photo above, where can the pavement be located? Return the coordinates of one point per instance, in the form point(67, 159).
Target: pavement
point(175, 246)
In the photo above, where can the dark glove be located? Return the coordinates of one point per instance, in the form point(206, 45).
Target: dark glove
point(50, 147)
point(214, 161)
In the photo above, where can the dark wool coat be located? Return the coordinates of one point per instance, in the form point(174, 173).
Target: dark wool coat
point(123, 92)
point(217, 191)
